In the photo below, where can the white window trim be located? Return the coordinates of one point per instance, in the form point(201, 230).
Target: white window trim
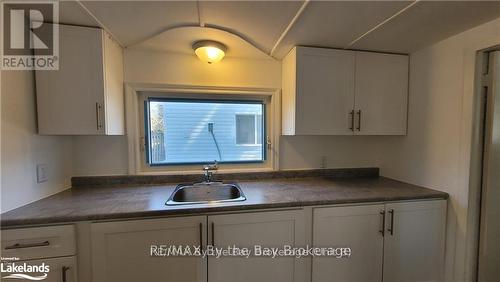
point(136, 164)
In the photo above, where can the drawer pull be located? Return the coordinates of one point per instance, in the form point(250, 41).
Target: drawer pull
point(391, 228)
point(98, 108)
point(29, 245)
point(201, 235)
point(382, 230)
point(213, 234)
point(351, 115)
point(359, 121)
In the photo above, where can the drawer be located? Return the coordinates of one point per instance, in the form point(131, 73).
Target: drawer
point(60, 269)
point(38, 242)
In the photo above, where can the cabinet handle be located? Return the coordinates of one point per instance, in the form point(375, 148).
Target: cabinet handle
point(213, 234)
point(64, 271)
point(391, 227)
point(359, 121)
point(382, 230)
point(30, 245)
point(201, 235)
point(351, 114)
point(98, 115)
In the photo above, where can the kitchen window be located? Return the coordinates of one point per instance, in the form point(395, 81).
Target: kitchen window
point(195, 131)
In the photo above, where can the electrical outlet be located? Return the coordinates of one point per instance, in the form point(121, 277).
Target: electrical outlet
point(42, 173)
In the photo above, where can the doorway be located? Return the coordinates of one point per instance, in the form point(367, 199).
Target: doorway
point(488, 263)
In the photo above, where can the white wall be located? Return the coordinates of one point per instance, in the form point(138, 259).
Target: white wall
point(163, 68)
point(436, 152)
point(22, 149)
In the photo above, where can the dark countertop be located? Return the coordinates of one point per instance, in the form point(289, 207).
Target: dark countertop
point(119, 201)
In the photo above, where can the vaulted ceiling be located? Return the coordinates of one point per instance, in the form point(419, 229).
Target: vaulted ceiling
point(272, 28)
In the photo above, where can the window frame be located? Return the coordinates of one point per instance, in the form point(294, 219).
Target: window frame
point(234, 100)
point(134, 97)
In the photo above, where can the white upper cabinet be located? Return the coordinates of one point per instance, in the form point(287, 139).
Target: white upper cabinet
point(85, 96)
point(342, 92)
point(318, 91)
point(381, 94)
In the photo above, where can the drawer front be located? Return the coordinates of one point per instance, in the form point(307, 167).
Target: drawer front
point(59, 270)
point(38, 242)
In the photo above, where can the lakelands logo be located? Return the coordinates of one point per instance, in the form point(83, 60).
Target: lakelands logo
point(30, 40)
point(25, 271)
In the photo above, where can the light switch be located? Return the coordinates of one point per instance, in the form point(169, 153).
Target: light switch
point(42, 173)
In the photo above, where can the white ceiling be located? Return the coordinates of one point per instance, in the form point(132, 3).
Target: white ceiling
point(336, 24)
point(428, 22)
point(392, 26)
point(180, 40)
point(260, 22)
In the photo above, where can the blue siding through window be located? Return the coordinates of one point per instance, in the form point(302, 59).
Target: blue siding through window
point(180, 132)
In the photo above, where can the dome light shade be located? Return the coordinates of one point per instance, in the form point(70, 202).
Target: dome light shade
point(209, 51)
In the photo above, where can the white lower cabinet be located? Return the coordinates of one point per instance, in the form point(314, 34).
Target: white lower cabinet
point(49, 250)
point(266, 229)
point(121, 250)
point(398, 242)
point(414, 250)
point(394, 242)
point(355, 227)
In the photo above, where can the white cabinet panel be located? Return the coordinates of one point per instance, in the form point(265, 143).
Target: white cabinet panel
point(381, 94)
point(318, 91)
point(325, 91)
point(85, 96)
point(410, 249)
point(342, 92)
point(414, 242)
point(121, 250)
point(38, 242)
point(356, 227)
point(269, 229)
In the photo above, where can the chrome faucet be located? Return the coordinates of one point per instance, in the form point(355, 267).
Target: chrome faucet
point(208, 171)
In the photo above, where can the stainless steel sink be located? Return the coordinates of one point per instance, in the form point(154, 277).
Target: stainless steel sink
point(206, 192)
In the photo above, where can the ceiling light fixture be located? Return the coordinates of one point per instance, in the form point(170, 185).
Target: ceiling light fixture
point(209, 51)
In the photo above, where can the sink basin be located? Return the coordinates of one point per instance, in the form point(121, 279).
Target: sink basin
point(204, 193)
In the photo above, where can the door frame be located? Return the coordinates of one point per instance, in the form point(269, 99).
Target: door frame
point(480, 120)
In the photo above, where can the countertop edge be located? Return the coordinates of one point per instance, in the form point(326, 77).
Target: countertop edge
point(7, 224)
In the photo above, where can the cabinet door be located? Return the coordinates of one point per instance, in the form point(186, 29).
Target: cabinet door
point(414, 241)
point(121, 250)
point(70, 100)
point(61, 269)
point(267, 229)
point(356, 227)
point(381, 94)
point(325, 91)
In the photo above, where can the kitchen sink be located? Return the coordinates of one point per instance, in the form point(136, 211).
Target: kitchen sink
point(205, 193)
